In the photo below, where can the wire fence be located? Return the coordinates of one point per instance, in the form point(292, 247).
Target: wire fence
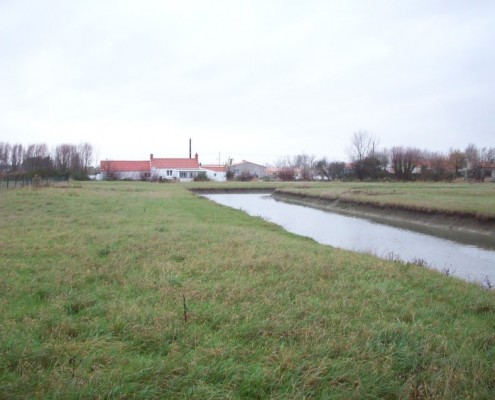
point(21, 182)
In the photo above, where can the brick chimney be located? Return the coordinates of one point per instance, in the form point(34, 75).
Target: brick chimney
point(151, 157)
point(196, 156)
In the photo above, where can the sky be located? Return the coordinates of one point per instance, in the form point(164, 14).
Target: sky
point(248, 80)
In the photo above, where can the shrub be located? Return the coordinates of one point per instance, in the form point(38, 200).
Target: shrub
point(245, 177)
point(201, 177)
point(287, 174)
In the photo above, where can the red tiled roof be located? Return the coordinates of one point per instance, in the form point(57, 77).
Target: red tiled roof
point(175, 163)
point(125, 166)
point(216, 168)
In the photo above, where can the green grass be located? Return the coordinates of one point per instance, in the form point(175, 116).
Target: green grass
point(92, 286)
point(470, 199)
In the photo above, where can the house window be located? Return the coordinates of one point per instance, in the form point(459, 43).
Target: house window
point(183, 174)
point(169, 172)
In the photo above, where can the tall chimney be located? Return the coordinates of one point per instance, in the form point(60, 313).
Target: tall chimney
point(190, 148)
point(151, 157)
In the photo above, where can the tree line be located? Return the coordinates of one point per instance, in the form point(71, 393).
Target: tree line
point(68, 160)
point(368, 162)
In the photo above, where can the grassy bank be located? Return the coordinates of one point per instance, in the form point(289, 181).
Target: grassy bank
point(116, 290)
point(475, 200)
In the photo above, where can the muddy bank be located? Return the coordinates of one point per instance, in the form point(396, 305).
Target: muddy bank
point(455, 226)
point(218, 190)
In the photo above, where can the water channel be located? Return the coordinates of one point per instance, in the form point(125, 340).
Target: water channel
point(468, 262)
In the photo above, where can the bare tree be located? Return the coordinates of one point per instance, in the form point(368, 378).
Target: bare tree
point(286, 174)
point(457, 161)
point(337, 170)
point(321, 168)
point(382, 157)
point(439, 165)
point(286, 169)
point(37, 150)
point(285, 162)
point(63, 158)
point(436, 167)
point(486, 161)
point(474, 163)
point(5, 149)
point(86, 154)
point(331, 170)
point(404, 161)
point(472, 153)
point(41, 150)
point(362, 154)
point(16, 156)
point(305, 164)
point(37, 160)
point(29, 152)
point(363, 144)
point(487, 155)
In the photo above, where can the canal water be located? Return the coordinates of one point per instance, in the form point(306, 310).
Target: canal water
point(468, 262)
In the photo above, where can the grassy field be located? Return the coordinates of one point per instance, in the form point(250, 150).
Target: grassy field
point(140, 290)
point(472, 199)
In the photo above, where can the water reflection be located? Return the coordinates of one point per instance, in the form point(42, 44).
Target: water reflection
point(465, 261)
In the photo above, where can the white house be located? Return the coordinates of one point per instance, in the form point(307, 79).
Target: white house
point(177, 169)
point(172, 169)
point(132, 170)
point(484, 169)
point(216, 173)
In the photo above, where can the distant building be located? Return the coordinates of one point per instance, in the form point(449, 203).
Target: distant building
point(248, 168)
point(124, 170)
point(479, 170)
point(173, 169)
point(177, 169)
point(216, 173)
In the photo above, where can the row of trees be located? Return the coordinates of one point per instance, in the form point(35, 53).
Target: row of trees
point(36, 159)
point(368, 162)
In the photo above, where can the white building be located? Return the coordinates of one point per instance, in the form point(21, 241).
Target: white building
point(120, 170)
point(172, 169)
point(248, 168)
point(216, 173)
point(177, 169)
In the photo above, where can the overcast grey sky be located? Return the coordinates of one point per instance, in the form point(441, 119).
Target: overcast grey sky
point(253, 80)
